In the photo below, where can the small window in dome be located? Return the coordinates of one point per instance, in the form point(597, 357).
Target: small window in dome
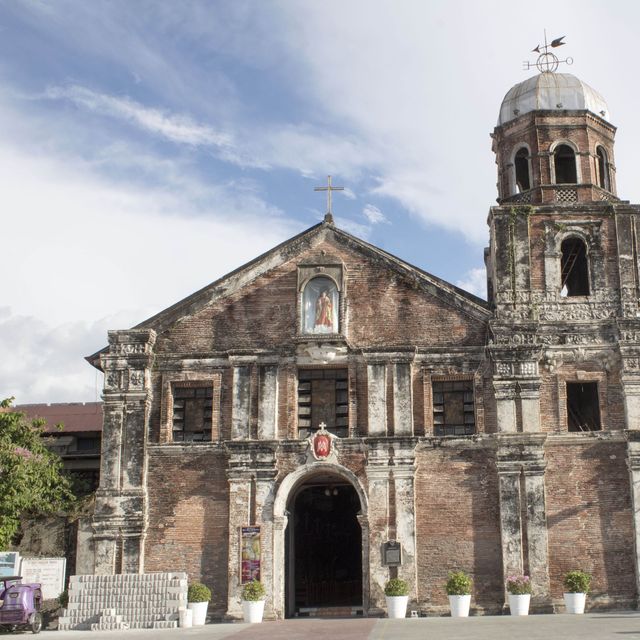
point(521, 162)
point(564, 159)
point(603, 168)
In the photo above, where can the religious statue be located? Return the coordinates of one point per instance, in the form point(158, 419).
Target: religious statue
point(324, 312)
point(320, 306)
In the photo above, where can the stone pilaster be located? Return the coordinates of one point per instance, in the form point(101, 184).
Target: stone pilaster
point(241, 402)
point(378, 471)
point(510, 520)
point(247, 465)
point(633, 462)
point(239, 475)
point(521, 466)
point(505, 394)
point(120, 513)
point(403, 471)
point(537, 538)
point(402, 399)
point(377, 398)
point(530, 404)
point(268, 402)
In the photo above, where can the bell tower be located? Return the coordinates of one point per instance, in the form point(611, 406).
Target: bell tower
point(564, 283)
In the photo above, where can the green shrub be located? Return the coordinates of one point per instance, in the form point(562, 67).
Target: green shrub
point(396, 587)
point(458, 584)
point(577, 582)
point(198, 592)
point(253, 591)
point(63, 599)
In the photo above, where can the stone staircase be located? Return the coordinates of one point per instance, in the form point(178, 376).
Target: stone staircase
point(125, 601)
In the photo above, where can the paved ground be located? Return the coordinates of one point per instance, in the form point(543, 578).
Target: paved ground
point(593, 626)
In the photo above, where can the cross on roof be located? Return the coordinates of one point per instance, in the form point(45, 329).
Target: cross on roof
point(329, 215)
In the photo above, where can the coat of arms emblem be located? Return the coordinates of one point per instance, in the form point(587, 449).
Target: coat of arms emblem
point(321, 443)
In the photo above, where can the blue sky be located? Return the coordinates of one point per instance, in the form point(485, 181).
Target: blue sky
point(149, 147)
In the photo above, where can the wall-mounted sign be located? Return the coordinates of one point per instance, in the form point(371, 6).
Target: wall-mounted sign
point(49, 572)
point(249, 554)
point(9, 563)
point(392, 553)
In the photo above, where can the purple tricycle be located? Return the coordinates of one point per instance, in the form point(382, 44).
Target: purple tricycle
point(20, 604)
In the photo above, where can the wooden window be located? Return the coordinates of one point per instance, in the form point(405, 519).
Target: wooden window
point(192, 414)
point(453, 408)
point(583, 406)
point(323, 396)
point(603, 168)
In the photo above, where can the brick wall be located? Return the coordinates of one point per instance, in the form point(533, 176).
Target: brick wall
point(589, 515)
point(188, 515)
point(458, 523)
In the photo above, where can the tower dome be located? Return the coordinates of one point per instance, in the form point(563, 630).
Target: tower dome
point(551, 91)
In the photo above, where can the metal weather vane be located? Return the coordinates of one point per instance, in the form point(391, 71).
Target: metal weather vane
point(547, 61)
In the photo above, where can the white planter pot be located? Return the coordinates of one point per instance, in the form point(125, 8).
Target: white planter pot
point(574, 602)
point(460, 606)
point(519, 604)
point(397, 606)
point(253, 610)
point(199, 611)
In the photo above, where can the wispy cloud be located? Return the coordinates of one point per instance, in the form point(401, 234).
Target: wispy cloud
point(374, 215)
point(174, 127)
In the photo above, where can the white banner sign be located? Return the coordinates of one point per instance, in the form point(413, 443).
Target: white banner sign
point(49, 572)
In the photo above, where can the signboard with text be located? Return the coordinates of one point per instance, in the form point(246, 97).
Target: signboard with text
point(49, 572)
point(249, 554)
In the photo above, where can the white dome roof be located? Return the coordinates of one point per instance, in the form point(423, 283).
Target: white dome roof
point(551, 91)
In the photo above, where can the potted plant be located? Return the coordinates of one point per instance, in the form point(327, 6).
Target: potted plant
point(576, 584)
point(458, 589)
point(519, 588)
point(198, 597)
point(253, 601)
point(397, 594)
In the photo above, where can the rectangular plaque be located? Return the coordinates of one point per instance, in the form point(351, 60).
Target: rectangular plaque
point(392, 553)
point(49, 572)
point(9, 563)
point(250, 554)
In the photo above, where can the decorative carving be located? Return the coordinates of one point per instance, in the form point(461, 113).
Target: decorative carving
point(113, 380)
point(504, 368)
point(128, 348)
point(528, 368)
point(136, 378)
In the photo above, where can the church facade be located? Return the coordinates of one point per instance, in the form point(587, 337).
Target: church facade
point(328, 416)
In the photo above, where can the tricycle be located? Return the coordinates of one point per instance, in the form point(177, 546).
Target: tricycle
point(20, 604)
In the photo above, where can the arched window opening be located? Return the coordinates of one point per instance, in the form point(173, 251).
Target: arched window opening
point(603, 168)
point(565, 164)
point(575, 269)
point(523, 182)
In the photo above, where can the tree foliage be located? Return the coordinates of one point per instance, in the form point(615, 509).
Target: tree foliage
point(31, 479)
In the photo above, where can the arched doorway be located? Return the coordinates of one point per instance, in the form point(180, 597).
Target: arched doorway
point(323, 546)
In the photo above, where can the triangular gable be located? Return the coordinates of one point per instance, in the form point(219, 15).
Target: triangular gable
point(232, 282)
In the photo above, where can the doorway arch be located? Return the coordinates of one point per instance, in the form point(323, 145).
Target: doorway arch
point(299, 505)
